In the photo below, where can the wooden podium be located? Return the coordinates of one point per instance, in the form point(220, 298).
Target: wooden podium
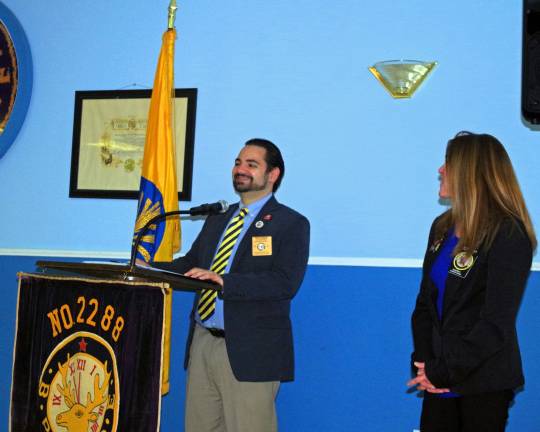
point(89, 347)
point(124, 272)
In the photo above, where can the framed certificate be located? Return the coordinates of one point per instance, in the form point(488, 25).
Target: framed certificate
point(109, 133)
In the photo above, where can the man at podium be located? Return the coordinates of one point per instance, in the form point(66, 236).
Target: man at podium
point(240, 344)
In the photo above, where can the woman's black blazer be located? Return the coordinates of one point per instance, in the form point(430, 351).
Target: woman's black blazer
point(474, 348)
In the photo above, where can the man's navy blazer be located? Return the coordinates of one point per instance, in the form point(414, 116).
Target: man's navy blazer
point(474, 349)
point(257, 290)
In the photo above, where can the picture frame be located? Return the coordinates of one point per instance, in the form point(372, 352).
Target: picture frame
point(109, 131)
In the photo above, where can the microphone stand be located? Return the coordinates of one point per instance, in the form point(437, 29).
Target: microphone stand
point(125, 272)
point(144, 229)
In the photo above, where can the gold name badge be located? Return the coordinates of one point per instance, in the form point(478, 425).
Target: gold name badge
point(261, 246)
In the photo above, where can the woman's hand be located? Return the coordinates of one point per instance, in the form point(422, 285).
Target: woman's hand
point(422, 382)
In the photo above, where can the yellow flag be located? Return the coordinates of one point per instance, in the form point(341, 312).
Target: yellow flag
point(159, 191)
point(159, 187)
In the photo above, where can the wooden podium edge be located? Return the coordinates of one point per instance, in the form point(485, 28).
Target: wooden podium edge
point(176, 281)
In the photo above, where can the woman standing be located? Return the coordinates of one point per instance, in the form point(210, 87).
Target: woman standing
point(479, 254)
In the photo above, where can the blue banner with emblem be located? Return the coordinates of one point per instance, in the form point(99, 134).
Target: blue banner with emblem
point(87, 356)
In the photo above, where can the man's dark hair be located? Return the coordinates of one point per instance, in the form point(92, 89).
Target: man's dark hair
point(272, 158)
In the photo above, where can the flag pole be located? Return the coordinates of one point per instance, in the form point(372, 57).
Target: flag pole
point(172, 14)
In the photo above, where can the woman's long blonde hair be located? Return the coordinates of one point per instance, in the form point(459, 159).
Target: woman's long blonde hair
point(484, 190)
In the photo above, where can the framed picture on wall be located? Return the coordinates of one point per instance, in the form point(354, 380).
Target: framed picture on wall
point(109, 132)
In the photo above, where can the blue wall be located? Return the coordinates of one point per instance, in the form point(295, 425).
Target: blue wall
point(353, 346)
point(361, 165)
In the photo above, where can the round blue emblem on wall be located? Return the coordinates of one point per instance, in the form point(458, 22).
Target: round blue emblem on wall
point(15, 77)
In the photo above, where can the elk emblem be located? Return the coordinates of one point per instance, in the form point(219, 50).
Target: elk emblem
point(79, 416)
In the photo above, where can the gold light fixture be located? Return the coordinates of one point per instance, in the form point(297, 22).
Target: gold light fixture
point(402, 77)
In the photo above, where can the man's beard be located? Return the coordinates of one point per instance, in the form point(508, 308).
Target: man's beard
point(249, 186)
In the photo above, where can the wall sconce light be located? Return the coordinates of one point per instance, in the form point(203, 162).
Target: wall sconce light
point(402, 77)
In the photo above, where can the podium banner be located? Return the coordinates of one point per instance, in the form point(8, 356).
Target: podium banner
point(87, 355)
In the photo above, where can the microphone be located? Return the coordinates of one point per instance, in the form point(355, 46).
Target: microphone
point(209, 209)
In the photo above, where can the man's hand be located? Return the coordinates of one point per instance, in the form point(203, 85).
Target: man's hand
point(422, 382)
point(202, 274)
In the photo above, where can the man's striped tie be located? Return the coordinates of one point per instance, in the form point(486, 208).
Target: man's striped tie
point(207, 301)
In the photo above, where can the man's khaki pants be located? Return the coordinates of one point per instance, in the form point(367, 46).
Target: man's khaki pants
point(216, 401)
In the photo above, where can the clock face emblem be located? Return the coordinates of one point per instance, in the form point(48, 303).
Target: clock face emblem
point(8, 76)
point(79, 386)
